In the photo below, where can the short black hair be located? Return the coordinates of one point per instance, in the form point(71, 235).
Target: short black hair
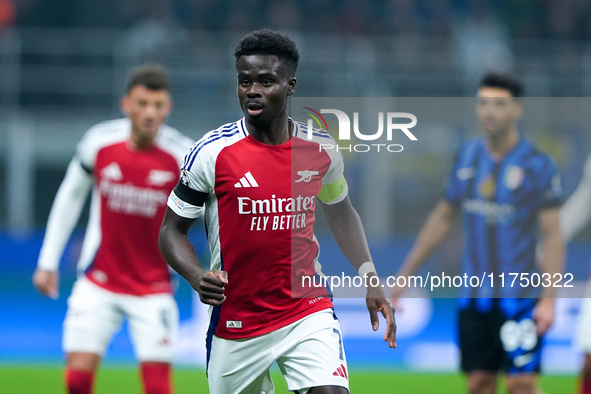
point(269, 42)
point(503, 81)
point(152, 76)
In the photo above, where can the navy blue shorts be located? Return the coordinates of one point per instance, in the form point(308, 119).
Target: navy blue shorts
point(499, 339)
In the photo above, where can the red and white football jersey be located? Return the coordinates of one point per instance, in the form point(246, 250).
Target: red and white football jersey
point(120, 251)
point(259, 202)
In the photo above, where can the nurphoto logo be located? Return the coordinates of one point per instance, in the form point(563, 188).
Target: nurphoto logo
point(393, 127)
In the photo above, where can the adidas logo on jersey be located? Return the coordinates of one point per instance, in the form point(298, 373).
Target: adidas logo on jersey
point(247, 181)
point(233, 324)
point(112, 172)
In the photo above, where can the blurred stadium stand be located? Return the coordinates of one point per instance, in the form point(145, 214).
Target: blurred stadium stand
point(57, 82)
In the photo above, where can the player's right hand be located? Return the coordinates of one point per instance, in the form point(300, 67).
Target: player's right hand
point(210, 287)
point(47, 283)
point(377, 302)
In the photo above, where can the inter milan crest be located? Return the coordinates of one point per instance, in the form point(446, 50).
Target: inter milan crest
point(513, 177)
point(487, 187)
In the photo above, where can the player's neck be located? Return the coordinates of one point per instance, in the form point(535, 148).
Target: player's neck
point(276, 132)
point(501, 146)
point(136, 143)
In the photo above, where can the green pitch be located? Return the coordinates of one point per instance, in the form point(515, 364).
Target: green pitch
point(48, 380)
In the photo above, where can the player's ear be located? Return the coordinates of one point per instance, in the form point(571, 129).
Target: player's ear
point(518, 108)
point(124, 105)
point(291, 86)
point(169, 105)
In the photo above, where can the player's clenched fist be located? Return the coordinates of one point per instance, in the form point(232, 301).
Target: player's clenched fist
point(210, 287)
point(47, 283)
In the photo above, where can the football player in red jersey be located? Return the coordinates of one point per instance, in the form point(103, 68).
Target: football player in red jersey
point(246, 179)
point(131, 164)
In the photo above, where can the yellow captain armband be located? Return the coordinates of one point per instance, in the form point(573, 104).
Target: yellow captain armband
point(335, 192)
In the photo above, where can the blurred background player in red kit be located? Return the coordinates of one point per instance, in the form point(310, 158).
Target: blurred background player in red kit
point(131, 164)
point(231, 175)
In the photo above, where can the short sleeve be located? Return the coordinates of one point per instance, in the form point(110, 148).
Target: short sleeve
point(336, 169)
point(334, 185)
point(188, 197)
point(452, 191)
point(549, 184)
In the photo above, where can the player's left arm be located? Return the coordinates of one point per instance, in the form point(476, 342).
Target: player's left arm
point(552, 263)
point(575, 214)
point(346, 226)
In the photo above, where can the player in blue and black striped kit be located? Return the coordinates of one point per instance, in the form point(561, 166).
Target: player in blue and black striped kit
point(507, 192)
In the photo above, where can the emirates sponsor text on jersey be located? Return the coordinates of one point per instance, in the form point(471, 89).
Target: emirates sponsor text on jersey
point(132, 200)
point(277, 213)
